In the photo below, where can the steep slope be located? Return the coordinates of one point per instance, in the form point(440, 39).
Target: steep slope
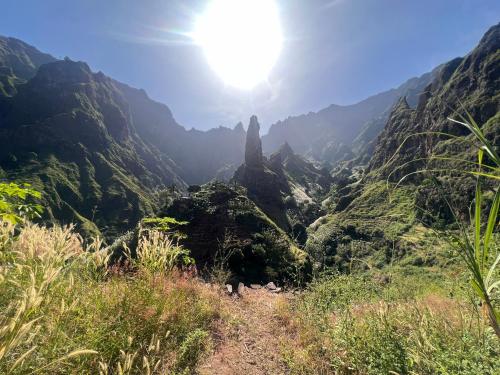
point(200, 155)
point(338, 132)
point(99, 148)
point(76, 142)
point(380, 224)
point(18, 63)
point(464, 84)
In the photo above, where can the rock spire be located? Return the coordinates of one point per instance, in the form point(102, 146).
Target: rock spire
point(253, 147)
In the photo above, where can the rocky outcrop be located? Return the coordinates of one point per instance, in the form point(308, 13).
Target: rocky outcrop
point(265, 186)
point(253, 145)
point(286, 187)
point(224, 224)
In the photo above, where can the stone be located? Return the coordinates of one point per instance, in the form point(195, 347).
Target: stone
point(277, 290)
point(255, 286)
point(229, 288)
point(241, 289)
point(270, 286)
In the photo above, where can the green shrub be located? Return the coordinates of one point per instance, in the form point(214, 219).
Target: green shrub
point(17, 202)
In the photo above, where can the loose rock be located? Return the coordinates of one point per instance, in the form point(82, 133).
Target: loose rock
point(229, 288)
point(270, 286)
point(241, 289)
point(255, 286)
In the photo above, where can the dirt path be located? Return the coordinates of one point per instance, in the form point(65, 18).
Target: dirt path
point(249, 344)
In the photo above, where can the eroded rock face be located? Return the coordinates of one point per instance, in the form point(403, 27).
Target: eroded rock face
point(253, 146)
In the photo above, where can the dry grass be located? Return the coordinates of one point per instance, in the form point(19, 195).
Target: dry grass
point(63, 310)
point(363, 330)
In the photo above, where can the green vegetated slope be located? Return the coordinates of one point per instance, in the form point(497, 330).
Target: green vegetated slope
point(98, 149)
point(18, 62)
point(70, 133)
point(379, 218)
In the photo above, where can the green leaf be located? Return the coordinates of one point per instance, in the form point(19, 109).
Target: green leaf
point(492, 222)
point(477, 216)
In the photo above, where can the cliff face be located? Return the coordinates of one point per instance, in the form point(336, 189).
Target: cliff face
point(464, 84)
point(199, 155)
point(264, 185)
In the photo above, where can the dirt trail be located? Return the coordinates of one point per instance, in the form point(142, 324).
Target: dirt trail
point(249, 344)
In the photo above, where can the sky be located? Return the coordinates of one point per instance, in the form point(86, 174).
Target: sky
point(334, 51)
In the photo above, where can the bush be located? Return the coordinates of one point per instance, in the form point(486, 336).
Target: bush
point(17, 202)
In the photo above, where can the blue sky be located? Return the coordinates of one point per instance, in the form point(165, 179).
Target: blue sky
point(336, 51)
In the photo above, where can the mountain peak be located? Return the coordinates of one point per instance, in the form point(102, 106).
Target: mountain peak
point(239, 127)
point(65, 72)
point(286, 150)
point(253, 146)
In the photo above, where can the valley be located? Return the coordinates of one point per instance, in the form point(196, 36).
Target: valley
point(141, 247)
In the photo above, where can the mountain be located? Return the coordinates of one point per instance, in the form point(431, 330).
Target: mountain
point(337, 132)
point(200, 155)
point(285, 186)
point(70, 132)
point(377, 222)
point(256, 221)
point(99, 149)
point(18, 62)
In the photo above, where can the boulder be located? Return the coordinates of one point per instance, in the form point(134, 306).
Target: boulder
point(270, 286)
point(241, 288)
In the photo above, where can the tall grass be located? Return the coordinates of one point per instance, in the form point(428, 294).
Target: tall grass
point(475, 249)
point(348, 324)
point(64, 310)
point(157, 253)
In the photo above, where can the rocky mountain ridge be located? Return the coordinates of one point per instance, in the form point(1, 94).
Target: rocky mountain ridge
point(378, 215)
point(338, 133)
point(287, 187)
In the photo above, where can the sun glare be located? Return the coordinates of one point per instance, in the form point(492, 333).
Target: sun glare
point(241, 39)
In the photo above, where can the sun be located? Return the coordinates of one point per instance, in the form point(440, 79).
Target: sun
point(242, 39)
